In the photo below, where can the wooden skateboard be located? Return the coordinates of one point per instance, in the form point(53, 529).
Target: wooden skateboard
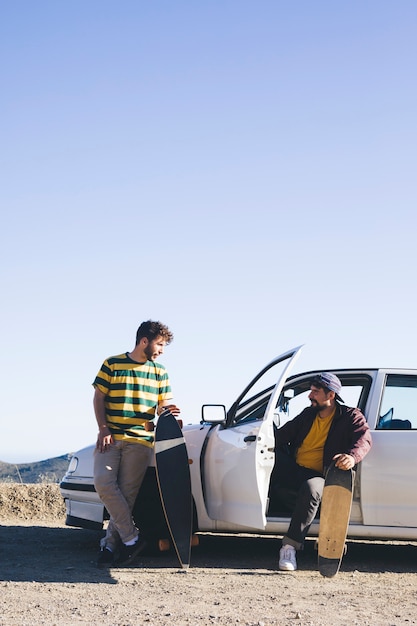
point(174, 483)
point(335, 510)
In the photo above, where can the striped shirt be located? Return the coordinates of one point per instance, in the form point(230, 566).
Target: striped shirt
point(133, 390)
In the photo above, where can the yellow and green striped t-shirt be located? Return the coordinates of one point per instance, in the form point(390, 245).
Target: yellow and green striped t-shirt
point(133, 390)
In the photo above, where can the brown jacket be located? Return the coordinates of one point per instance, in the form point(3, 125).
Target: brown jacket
point(349, 433)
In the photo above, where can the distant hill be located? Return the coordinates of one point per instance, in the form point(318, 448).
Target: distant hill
point(49, 471)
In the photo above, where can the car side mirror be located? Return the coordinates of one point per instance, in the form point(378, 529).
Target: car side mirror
point(213, 414)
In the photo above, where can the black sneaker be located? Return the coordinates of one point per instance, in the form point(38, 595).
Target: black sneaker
point(105, 558)
point(128, 553)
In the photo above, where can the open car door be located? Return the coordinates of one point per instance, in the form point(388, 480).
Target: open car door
point(239, 456)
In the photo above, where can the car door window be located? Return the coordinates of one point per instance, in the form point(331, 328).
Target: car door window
point(253, 408)
point(399, 403)
point(252, 405)
point(294, 397)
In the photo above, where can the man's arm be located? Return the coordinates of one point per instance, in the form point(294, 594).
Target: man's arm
point(361, 442)
point(172, 408)
point(295, 430)
point(361, 436)
point(104, 437)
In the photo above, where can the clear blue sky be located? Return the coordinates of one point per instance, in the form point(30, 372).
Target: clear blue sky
point(243, 171)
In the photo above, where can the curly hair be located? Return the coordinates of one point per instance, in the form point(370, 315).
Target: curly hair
point(151, 330)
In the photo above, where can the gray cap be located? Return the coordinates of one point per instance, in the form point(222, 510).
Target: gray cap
point(330, 382)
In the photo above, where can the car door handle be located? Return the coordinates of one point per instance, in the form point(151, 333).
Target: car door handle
point(249, 438)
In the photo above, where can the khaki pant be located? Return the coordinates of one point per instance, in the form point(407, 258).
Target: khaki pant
point(118, 475)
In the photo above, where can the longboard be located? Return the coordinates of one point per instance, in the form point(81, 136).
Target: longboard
point(174, 483)
point(335, 510)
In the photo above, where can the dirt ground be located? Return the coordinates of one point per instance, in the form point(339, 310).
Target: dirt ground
point(48, 576)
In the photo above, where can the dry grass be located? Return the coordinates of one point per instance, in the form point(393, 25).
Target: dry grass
point(31, 502)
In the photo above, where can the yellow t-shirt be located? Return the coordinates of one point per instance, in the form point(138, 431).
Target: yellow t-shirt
point(310, 453)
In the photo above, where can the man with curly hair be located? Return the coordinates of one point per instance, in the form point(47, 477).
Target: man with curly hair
point(130, 389)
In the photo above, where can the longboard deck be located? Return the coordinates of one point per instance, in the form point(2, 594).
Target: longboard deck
point(336, 505)
point(174, 483)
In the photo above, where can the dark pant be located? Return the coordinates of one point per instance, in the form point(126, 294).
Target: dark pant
point(300, 489)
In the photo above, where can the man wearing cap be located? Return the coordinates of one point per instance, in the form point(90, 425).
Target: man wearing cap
point(323, 432)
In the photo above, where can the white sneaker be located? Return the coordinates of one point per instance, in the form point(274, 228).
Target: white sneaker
point(287, 560)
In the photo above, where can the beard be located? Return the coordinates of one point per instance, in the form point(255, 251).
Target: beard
point(149, 352)
point(319, 407)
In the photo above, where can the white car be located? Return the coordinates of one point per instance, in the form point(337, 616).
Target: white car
point(232, 456)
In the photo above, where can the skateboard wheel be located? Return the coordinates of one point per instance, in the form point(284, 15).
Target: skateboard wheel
point(164, 545)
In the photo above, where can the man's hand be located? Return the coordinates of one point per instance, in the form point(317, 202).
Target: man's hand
point(344, 461)
point(104, 439)
point(172, 408)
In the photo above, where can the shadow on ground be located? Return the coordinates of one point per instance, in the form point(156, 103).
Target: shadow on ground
point(55, 554)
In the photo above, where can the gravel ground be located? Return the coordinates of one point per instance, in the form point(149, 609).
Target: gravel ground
point(48, 576)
